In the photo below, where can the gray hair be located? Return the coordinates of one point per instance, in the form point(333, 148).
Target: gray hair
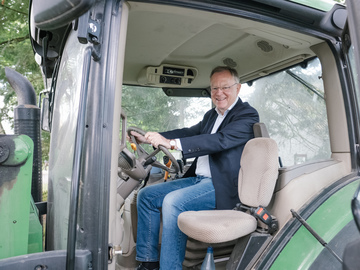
point(232, 71)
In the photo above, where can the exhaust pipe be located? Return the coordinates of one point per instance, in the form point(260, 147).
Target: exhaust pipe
point(27, 122)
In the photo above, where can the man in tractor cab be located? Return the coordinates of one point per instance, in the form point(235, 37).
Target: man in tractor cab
point(211, 182)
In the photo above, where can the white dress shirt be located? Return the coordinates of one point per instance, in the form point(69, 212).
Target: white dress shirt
point(203, 165)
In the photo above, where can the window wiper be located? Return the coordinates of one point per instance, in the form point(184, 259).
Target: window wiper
point(317, 237)
point(306, 84)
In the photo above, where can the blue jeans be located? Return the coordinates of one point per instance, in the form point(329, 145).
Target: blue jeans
point(172, 198)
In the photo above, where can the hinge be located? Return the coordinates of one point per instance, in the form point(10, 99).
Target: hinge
point(88, 29)
point(94, 31)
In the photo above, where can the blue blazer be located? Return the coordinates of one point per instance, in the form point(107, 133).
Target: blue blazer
point(224, 148)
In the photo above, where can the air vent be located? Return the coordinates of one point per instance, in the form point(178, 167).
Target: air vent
point(264, 46)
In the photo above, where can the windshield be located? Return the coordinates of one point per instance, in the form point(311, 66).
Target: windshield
point(152, 110)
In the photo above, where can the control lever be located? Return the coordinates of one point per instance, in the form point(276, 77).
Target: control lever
point(167, 162)
point(150, 161)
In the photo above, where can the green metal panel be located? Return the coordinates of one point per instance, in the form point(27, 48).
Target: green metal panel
point(15, 194)
point(327, 221)
point(35, 243)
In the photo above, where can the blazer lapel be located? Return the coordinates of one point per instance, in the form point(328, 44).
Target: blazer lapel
point(232, 111)
point(210, 123)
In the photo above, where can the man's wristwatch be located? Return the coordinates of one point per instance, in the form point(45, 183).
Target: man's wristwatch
point(172, 144)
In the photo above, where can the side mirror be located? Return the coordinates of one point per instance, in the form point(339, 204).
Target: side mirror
point(50, 15)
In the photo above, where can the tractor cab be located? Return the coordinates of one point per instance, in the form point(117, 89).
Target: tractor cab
point(110, 67)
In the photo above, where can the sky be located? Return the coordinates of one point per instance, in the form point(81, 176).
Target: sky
point(6, 125)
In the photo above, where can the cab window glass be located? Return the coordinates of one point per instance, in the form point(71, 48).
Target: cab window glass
point(291, 104)
point(151, 109)
point(66, 109)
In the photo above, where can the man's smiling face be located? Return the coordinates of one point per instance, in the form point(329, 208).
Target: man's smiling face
point(224, 90)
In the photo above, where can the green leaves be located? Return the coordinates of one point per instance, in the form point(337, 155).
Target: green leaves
point(16, 53)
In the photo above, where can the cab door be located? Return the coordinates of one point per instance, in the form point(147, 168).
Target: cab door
point(351, 257)
point(82, 215)
point(350, 48)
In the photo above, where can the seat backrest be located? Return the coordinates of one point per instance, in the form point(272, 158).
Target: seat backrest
point(260, 130)
point(258, 172)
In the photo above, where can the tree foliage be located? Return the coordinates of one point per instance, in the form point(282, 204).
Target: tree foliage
point(295, 116)
point(16, 53)
point(151, 110)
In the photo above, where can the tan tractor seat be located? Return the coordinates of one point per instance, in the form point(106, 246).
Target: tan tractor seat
point(257, 179)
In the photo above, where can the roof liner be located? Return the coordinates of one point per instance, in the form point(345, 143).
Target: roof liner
point(163, 34)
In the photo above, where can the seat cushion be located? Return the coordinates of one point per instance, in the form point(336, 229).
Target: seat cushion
point(216, 226)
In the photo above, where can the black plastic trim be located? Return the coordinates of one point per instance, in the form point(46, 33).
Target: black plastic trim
point(42, 207)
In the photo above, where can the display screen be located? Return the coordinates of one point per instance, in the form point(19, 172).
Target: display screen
point(174, 71)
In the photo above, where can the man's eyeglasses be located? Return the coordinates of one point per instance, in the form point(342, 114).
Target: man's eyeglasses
point(224, 88)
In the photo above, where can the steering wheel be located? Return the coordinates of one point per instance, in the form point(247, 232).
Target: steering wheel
point(150, 158)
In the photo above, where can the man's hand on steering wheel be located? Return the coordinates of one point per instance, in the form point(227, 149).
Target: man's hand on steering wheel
point(156, 139)
point(137, 136)
point(140, 138)
point(153, 138)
